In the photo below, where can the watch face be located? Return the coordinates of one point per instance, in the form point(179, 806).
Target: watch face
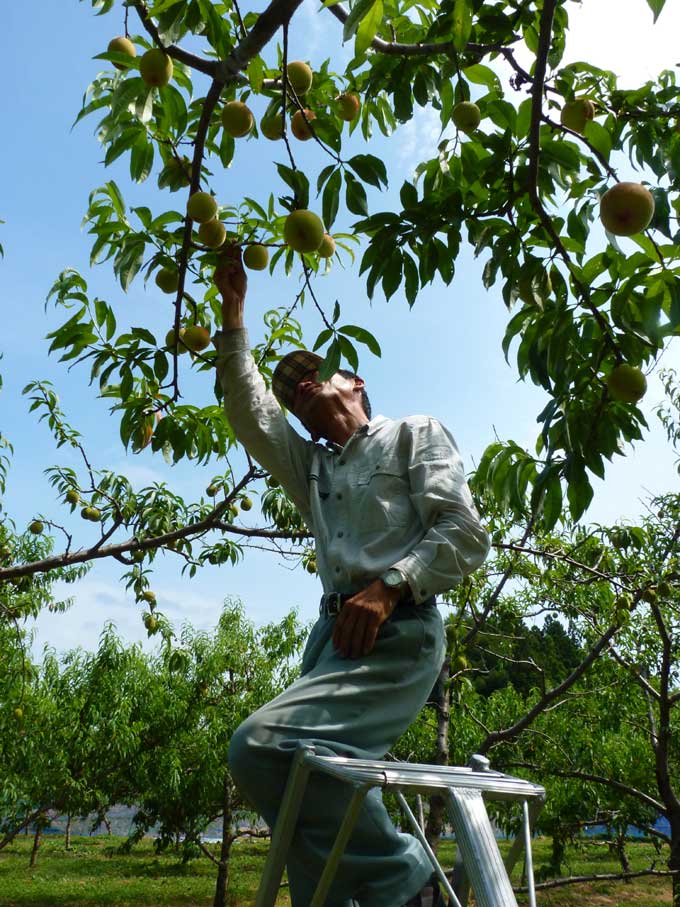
point(393, 578)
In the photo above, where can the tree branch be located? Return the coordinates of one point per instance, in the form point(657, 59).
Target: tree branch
point(603, 877)
point(597, 779)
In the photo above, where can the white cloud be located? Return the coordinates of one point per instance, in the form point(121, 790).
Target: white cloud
point(622, 37)
point(417, 140)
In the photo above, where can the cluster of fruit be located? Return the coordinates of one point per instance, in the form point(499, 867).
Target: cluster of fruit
point(238, 120)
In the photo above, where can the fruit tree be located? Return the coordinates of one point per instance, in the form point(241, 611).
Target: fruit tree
point(533, 172)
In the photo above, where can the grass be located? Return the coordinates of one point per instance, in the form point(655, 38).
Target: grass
point(93, 874)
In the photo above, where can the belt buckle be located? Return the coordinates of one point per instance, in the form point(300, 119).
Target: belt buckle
point(333, 603)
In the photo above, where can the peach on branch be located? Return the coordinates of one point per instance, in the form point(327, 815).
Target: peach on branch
point(466, 116)
point(256, 257)
point(626, 209)
point(196, 337)
point(237, 119)
point(122, 45)
point(36, 527)
point(303, 231)
point(271, 127)
point(212, 233)
point(626, 383)
point(300, 76)
point(72, 496)
point(171, 341)
point(156, 68)
point(299, 124)
point(348, 106)
point(327, 247)
point(201, 207)
point(575, 114)
point(167, 280)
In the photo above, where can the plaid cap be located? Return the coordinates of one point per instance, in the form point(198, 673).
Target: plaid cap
point(290, 371)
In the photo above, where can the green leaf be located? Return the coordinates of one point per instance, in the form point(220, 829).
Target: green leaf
point(331, 198)
point(323, 176)
point(298, 182)
point(409, 195)
point(599, 138)
point(363, 336)
point(483, 75)
point(370, 169)
point(141, 159)
point(160, 365)
point(331, 363)
point(462, 24)
point(359, 9)
point(255, 73)
point(368, 28)
point(656, 6)
point(355, 196)
point(349, 352)
point(411, 280)
point(323, 337)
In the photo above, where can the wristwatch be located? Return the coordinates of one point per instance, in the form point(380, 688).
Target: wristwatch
point(394, 579)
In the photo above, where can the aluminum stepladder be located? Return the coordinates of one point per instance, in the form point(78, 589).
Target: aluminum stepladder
point(478, 863)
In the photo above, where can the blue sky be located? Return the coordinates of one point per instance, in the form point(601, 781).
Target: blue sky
point(442, 358)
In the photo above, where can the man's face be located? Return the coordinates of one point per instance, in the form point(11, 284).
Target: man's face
point(316, 403)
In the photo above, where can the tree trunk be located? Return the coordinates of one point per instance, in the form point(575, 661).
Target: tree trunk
point(674, 859)
point(37, 840)
point(68, 833)
point(442, 696)
point(225, 850)
point(107, 824)
point(620, 847)
point(11, 835)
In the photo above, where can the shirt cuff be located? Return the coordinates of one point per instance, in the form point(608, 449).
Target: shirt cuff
point(416, 576)
point(231, 341)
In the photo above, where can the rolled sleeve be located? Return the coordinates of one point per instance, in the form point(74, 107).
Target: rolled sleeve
point(257, 419)
point(455, 543)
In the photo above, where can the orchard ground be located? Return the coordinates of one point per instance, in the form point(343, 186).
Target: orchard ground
point(93, 874)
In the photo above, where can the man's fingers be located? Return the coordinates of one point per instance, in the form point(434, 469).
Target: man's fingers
point(370, 637)
point(356, 643)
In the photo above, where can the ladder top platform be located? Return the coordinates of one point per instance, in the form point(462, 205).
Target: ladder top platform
point(425, 777)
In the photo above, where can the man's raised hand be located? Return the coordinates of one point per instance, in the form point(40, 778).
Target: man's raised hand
point(231, 280)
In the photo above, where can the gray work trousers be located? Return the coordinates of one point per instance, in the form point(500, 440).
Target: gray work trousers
point(345, 707)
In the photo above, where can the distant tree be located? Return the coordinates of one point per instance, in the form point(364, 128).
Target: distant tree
point(198, 689)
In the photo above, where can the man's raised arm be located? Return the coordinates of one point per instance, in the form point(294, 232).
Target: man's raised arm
point(253, 412)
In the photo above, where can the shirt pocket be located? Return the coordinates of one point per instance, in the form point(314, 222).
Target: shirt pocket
point(383, 493)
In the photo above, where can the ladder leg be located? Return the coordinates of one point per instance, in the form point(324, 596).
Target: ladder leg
point(283, 829)
point(342, 837)
point(461, 882)
point(426, 844)
point(529, 856)
point(479, 849)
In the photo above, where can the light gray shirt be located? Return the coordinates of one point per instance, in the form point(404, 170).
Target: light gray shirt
point(394, 496)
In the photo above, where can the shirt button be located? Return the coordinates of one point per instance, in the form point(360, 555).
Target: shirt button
point(339, 496)
point(341, 462)
point(337, 570)
point(423, 591)
point(340, 534)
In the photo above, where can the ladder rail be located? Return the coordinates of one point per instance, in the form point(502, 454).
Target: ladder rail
point(465, 789)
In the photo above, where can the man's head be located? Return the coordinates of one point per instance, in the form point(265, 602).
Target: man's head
point(320, 406)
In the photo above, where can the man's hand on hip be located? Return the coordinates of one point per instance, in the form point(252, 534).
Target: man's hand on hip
point(232, 282)
point(362, 615)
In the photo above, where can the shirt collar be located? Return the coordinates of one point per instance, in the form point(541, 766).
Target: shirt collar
point(368, 429)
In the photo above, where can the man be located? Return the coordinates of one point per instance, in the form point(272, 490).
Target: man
point(394, 524)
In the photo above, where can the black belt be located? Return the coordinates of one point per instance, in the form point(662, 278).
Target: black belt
point(331, 603)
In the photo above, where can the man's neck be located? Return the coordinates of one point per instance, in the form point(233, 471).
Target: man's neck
point(342, 426)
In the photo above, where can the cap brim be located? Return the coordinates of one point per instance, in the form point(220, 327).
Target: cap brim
point(290, 371)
